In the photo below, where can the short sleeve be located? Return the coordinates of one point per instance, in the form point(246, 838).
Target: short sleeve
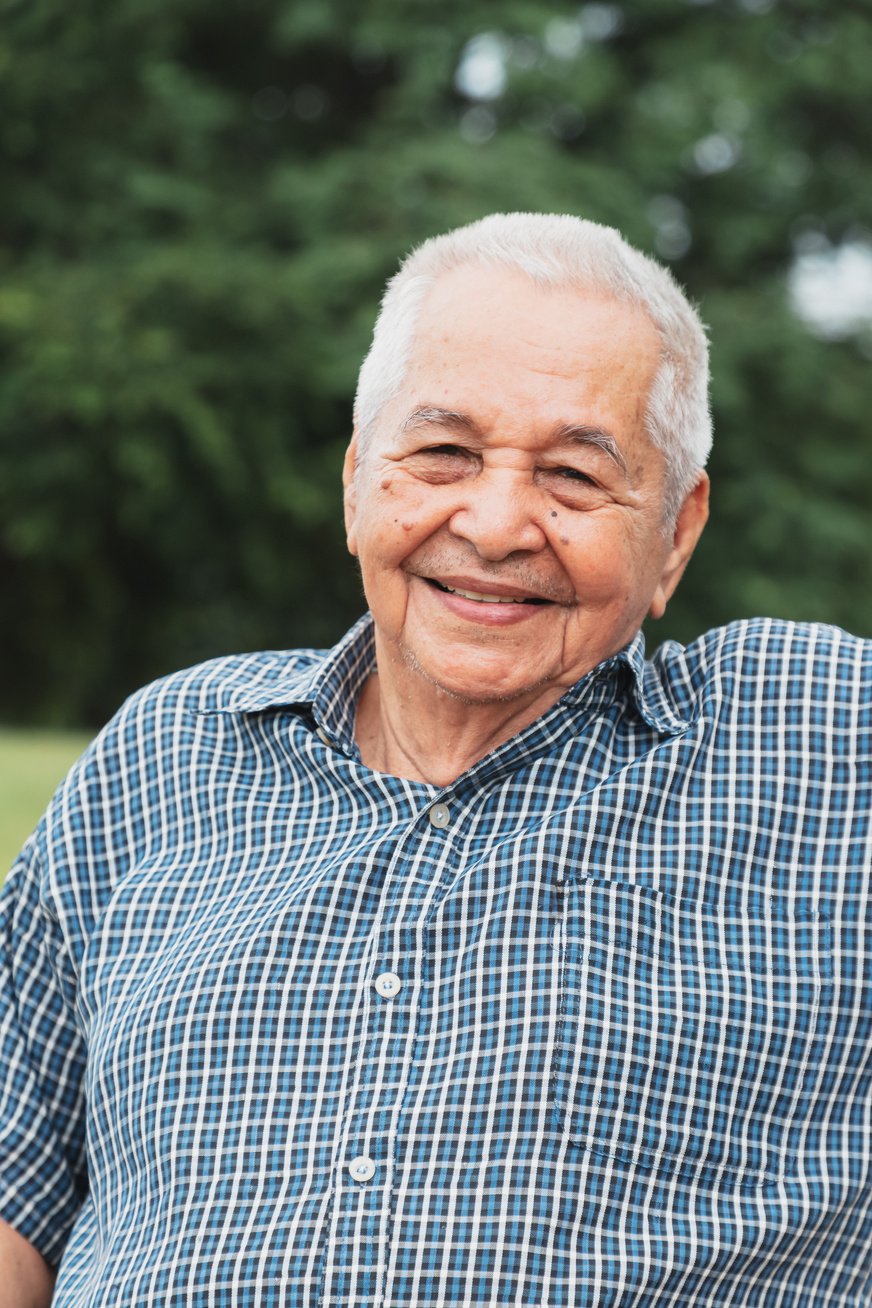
point(43, 1175)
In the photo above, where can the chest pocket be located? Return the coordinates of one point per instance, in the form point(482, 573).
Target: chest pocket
point(689, 1037)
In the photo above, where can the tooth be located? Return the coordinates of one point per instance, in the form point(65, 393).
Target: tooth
point(485, 599)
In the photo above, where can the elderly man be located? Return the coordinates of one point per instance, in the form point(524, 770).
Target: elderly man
point(475, 961)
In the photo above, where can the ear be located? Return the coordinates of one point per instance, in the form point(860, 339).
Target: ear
point(691, 519)
point(349, 495)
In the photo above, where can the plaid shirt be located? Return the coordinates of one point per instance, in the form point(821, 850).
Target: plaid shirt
point(589, 1026)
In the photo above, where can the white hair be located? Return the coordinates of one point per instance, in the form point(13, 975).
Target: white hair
point(561, 251)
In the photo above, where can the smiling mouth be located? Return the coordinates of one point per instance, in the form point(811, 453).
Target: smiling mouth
point(483, 598)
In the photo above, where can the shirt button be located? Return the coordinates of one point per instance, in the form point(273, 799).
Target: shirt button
point(388, 985)
point(362, 1168)
point(323, 737)
point(440, 815)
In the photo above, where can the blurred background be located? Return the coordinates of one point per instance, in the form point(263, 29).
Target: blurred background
point(201, 203)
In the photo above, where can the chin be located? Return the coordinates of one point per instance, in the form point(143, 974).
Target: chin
point(481, 685)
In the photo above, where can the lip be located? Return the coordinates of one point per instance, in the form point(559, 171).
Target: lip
point(485, 586)
point(474, 611)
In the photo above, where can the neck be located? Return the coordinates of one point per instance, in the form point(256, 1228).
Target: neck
point(409, 727)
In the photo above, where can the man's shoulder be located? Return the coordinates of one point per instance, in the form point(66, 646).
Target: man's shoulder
point(795, 648)
point(160, 719)
point(230, 680)
point(767, 661)
point(146, 751)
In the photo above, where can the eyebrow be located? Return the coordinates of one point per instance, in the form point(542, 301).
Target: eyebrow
point(598, 437)
point(429, 415)
point(567, 434)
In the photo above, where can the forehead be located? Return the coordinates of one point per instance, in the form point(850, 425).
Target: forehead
point(487, 331)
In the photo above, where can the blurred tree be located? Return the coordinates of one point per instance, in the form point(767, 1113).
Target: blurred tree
point(201, 204)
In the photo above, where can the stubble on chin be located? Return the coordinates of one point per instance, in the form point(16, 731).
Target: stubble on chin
point(414, 665)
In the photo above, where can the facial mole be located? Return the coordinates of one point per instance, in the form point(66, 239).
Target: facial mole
point(553, 513)
point(407, 526)
point(386, 482)
point(564, 540)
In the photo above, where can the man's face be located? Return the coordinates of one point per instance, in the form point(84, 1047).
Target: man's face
point(508, 514)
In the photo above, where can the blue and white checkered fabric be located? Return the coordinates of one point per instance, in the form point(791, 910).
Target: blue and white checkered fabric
point(590, 1026)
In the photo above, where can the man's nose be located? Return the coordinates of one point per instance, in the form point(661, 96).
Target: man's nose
point(498, 515)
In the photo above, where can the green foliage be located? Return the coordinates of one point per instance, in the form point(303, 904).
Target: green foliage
point(201, 204)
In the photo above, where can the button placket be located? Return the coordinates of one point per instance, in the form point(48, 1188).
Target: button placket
point(376, 1100)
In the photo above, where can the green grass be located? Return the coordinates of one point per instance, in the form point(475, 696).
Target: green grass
point(31, 765)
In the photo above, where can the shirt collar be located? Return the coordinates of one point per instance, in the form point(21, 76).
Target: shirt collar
point(664, 706)
point(330, 687)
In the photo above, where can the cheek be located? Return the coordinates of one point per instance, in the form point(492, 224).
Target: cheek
point(393, 493)
point(394, 517)
point(416, 512)
point(600, 560)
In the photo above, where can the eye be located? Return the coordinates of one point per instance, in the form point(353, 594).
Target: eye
point(440, 464)
point(449, 451)
point(573, 474)
point(569, 478)
point(571, 486)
